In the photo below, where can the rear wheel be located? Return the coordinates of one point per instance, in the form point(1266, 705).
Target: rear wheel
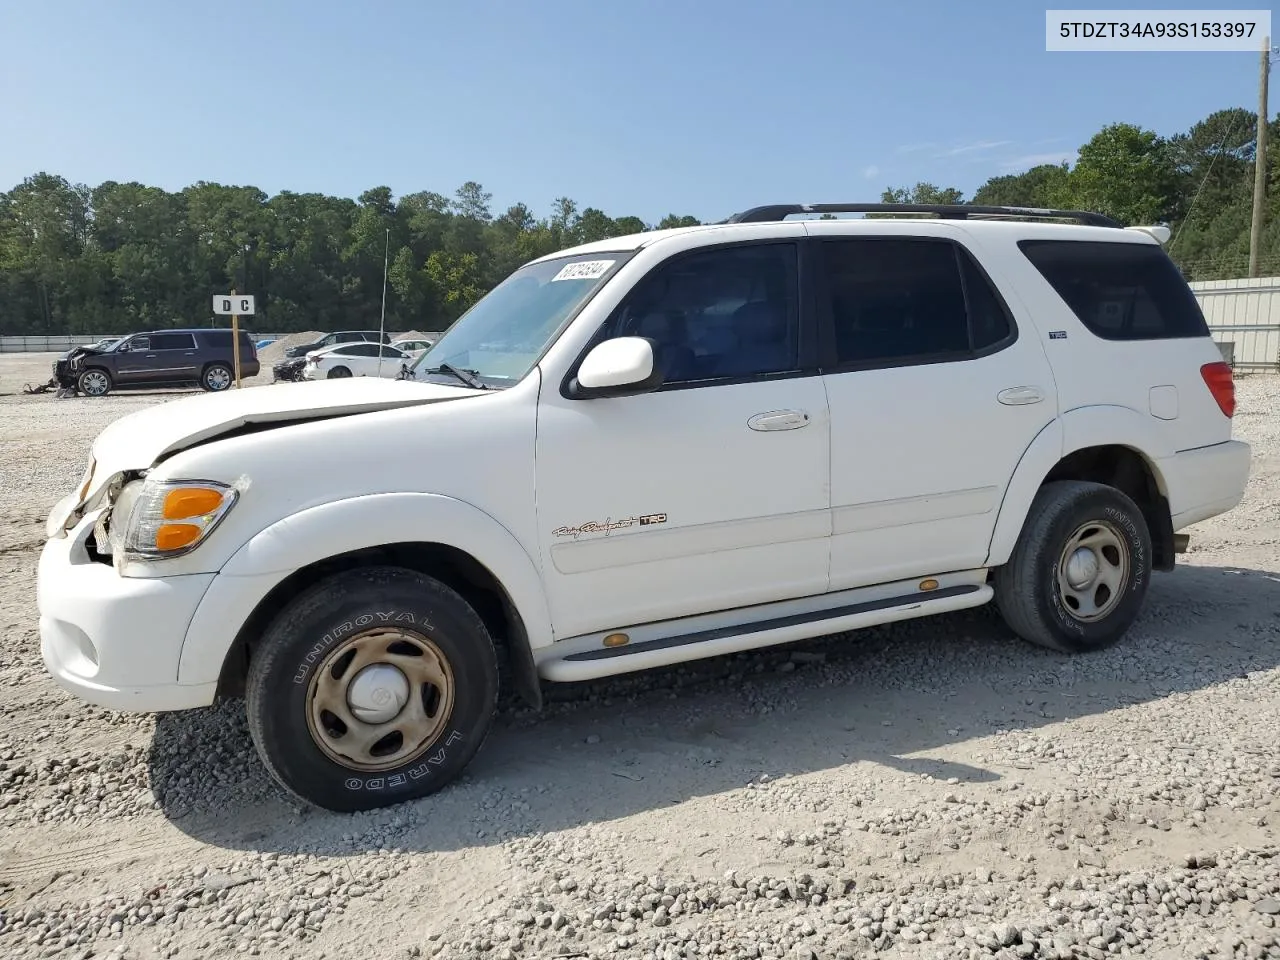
point(94, 382)
point(373, 687)
point(216, 377)
point(337, 372)
point(1079, 572)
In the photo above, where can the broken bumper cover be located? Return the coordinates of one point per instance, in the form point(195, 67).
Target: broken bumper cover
point(115, 641)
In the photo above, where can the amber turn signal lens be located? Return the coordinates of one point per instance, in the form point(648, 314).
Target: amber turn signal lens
point(188, 502)
point(175, 536)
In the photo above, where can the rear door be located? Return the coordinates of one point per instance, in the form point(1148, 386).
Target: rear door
point(175, 357)
point(936, 391)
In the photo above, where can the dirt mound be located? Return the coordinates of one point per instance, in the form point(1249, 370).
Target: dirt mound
point(274, 352)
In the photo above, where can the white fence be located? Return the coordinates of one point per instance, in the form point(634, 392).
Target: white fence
point(1244, 316)
point(63, 344)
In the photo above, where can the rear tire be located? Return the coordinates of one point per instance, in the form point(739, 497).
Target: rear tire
point(338, 372)
point(373, 687)
point(1079, 572)
point(94, 382)
point(216, 377)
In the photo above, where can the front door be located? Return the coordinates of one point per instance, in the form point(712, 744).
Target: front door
point(710, 493)
point(936, 394)
point(135, 360)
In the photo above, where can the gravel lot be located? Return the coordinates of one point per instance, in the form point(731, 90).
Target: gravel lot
point(933, 789)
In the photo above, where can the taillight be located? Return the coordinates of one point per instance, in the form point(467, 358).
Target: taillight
point(1217, 377)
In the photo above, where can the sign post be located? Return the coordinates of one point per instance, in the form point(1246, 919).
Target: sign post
point(236, 306)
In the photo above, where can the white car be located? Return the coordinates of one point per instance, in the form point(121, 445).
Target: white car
point(647, 450)
point(415, 348)
point(354, 360)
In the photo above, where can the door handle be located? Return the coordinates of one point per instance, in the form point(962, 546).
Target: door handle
point(1016, 396)
point(779, 420)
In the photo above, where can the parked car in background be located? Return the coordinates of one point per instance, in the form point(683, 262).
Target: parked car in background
point(263, 344)
point(414, 347)
point(339, 336)
point(354, 360)
point(159, 358)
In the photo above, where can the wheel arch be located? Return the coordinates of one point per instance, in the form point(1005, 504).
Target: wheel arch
point(446, 538)
point(1113, 445)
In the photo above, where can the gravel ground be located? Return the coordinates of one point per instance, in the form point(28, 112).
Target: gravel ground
point(932, 789)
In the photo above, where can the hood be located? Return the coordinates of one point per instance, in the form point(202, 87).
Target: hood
point(137, 441)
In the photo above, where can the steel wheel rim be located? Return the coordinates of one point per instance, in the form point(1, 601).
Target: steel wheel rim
point(94, 384)
point(1093, 570)
point(402, 718)
point(218, 378)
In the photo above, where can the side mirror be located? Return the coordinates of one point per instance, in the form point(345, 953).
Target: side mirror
point(124, 347)
point(620, 367)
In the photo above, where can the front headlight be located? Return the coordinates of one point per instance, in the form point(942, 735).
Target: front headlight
point(152, 520)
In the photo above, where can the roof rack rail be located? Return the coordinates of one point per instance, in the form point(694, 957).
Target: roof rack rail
point(947, 211)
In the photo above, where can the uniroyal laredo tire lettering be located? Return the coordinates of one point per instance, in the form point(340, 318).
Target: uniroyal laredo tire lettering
point(340, 631)
point(415, 773)
point(1137, 553)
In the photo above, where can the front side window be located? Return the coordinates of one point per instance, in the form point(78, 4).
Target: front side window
point(500, 339)
point(136, 344)
point(729, 312)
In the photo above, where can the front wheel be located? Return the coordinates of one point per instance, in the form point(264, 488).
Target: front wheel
point(94, 382)
point(1079, 572)
point(373, 687)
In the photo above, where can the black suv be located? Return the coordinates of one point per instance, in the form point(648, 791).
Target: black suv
point(160, 358)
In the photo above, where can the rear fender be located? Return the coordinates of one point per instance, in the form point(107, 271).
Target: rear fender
point(1094, 426)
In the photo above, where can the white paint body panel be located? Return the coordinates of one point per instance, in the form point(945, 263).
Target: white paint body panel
point(783, 495)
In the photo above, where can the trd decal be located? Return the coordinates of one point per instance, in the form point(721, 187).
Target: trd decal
point(1057, 334)
point(609, 525)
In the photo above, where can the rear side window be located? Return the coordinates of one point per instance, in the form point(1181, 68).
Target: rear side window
point(896, 301)
point(1120, 291)
point(359, 350)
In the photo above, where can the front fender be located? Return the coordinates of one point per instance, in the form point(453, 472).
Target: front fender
point(1093, 426)
point(344, 526)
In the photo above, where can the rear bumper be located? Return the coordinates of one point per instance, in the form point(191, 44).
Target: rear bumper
point(1205, 482)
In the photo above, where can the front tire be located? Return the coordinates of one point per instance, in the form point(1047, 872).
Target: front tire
point(94, 382)
point(1079, 571)
point(373, 687)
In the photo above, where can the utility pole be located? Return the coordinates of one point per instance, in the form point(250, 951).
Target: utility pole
point(1260, 162)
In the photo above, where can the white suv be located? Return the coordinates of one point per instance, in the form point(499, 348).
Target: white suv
point(646, 450)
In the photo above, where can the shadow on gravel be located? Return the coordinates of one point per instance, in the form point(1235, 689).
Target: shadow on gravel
point(609, 749)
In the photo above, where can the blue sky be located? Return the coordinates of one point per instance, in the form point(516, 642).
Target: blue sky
point(687, 106)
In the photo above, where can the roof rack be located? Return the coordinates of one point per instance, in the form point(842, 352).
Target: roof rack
point(946, 211)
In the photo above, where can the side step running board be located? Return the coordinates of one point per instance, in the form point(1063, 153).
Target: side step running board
point(600, 661)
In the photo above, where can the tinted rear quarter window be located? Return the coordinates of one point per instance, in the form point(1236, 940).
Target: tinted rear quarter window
point(1119, 291)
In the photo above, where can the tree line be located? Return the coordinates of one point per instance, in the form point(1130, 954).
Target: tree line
point(120, 257)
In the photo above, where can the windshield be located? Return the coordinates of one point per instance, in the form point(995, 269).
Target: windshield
point(498, 341)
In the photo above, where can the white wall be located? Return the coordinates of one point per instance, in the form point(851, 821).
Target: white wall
point(1245, 312)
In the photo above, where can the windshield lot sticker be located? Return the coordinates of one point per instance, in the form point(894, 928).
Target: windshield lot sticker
point(583, 270)
point(609, 525)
